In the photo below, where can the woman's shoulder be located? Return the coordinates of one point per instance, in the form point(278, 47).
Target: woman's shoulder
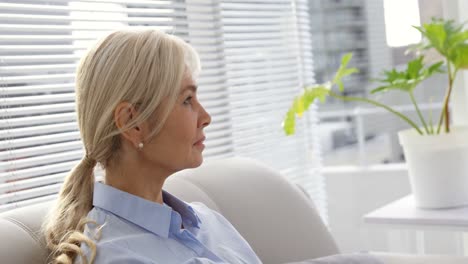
point(211, 218)
point(229, 243)
point(116, 254)
point(199, 206)
point(104, 227)
point(203, 211)
point(117, 240)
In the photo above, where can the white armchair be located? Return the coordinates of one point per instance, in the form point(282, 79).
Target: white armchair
point(275, 217)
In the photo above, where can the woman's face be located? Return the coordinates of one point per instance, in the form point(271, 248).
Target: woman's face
point(179, 145)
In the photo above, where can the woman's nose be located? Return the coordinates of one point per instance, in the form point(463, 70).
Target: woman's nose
point(204, 117)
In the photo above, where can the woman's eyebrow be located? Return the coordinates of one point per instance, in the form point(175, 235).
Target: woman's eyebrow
point(191, 87)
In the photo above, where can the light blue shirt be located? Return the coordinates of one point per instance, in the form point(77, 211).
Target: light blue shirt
point(135, 230)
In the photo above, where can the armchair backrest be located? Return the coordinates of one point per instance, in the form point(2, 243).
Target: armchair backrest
point(274, 216)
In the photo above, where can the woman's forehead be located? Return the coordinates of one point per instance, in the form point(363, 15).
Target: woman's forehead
point(188, 84)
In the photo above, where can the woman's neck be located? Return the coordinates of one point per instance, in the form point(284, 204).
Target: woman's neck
point(138, 180)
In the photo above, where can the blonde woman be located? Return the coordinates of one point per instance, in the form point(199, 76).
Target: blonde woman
point(140, 119)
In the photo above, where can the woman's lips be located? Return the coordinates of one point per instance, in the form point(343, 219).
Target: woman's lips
point(199, 143)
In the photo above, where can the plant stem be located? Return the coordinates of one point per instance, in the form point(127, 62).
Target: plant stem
point(369, 101)
point(441, 118)
point(431, 123)
point(419, 112)
point(445, 111)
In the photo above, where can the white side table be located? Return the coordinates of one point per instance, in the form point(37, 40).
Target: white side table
point(404, 214)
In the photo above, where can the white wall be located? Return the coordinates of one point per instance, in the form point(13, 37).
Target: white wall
point(354, 192)
point(380, 56)
point(456, 9)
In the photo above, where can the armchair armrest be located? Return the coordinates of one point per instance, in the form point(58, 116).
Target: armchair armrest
point(396, 258)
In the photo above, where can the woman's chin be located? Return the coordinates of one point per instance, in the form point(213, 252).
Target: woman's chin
point(198, 163)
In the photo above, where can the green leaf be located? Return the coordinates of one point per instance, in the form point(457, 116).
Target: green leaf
point(298, 105)
point(342, 70)
point(380, 89)
point(345, 59)
point(302, 104)
point(318, 92)
point(436, 67)
point(393, 75)
point(407, 80)
point(460, 56)
point(435, 34)
point(459, 37)
point(289, 123)
point(447, 37)
point(310, 94)
point(349, 71)
point(340, 86)
point(414, 68)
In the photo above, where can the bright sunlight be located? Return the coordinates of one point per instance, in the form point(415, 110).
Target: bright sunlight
point(400, 16)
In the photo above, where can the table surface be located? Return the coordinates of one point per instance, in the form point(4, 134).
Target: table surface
point(404, 212)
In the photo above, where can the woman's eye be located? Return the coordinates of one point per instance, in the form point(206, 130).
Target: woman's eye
point(188, 100)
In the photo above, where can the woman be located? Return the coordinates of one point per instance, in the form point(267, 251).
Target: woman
point(140, 119)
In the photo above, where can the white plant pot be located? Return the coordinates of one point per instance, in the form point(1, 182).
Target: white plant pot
point(438, 167)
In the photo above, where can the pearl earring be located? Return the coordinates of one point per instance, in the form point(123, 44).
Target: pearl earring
point(140, 145)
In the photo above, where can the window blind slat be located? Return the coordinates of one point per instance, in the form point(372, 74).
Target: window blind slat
point(262, 78)
point(37, 171)
point(38, 109)
point(34, 79)
point(7, 60)
point(39, 140)
point(30, 193)
point(165, 10)
point(45, 159)
point(20, 153)
point(37, 68)
point(37, 120)
point(263, 71)
point(31, 183)
point(148, 3)
point(166, 21)
point(37, 130)
point(28, 202)
point(39, 99)
point(67, 29)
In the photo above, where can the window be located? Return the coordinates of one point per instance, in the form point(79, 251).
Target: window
point(400, 16)
point(358, 134)
point(255, 56)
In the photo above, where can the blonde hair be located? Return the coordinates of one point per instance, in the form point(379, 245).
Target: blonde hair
point(143, 68)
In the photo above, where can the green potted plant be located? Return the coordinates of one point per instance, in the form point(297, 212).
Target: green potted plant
point(436, 153)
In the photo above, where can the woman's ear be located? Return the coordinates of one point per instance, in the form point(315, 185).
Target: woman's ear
point(124, 114)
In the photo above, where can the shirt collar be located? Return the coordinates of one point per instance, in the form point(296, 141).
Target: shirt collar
point(151, 216)
point(186, 211)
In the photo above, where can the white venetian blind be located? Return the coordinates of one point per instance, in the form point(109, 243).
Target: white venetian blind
point(268, 60)
point(255, 58)
point(39, 141)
